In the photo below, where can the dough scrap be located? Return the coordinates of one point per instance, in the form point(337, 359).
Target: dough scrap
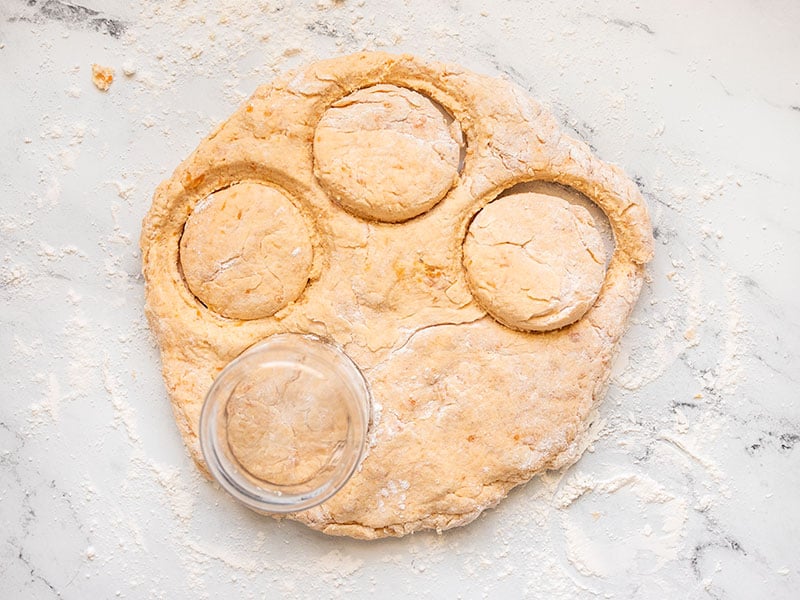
point(464, 407)
point(534, 261)
point(386, 153)
point(102, 77)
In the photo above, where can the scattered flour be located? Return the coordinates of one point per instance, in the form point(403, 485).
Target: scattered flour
point(652, 534)
point(118, 396)
point(678, 317)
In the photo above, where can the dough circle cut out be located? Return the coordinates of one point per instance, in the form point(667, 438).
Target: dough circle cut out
point(282, 425)
point(483, 366)
point(246, 251)
point(387, 153)
point(534, 261)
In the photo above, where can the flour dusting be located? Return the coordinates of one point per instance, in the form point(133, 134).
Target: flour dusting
point(697, 426)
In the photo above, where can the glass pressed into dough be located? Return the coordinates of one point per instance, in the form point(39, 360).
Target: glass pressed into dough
point(284, 425)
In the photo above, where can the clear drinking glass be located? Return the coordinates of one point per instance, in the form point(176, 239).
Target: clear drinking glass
point(284, 425)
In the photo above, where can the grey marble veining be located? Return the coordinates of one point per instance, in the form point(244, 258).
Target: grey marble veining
point(689, 487)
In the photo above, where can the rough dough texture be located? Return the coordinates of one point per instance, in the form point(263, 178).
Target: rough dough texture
point(386, 153)
point(464, 407)
point(534, 261)
point(246, 251)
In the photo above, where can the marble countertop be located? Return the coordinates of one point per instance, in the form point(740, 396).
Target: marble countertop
point(690, 486)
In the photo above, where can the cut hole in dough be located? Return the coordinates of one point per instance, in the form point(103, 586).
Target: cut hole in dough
point(246, 251)
point(387, 153)
point(534, 261)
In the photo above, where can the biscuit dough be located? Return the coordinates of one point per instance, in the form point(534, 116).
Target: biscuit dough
point(246, 251)
point(386, 153)
point(102, 77)
point(534, 261)
point(283, 426)
point(464, 407)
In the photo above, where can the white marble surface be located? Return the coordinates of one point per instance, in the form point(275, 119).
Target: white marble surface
point(690, 489)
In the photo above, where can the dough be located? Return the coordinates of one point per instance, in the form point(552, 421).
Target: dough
point(282, 428)
point(424, 273)
point(102, 77)
point(386, 153)
point(534, 261)
point(246, 251)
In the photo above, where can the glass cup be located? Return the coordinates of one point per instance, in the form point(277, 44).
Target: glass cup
point(284, 425)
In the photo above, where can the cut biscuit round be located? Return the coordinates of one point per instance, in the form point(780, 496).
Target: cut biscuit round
point(387, 153)
point(533, 261)
point(246, 251)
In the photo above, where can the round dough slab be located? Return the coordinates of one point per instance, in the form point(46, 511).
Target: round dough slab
point(464, 407)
